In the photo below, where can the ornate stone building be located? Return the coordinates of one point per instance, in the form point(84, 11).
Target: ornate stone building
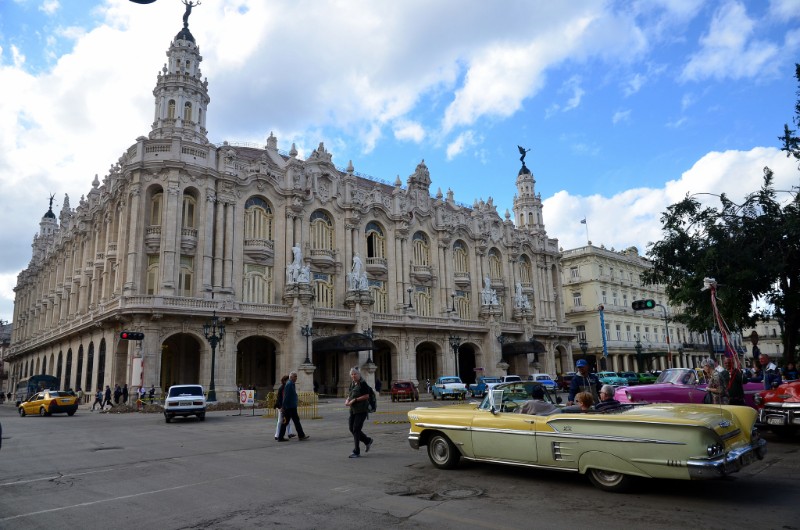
point(302, 262)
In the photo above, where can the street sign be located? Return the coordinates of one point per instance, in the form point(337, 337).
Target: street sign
point(247, 397)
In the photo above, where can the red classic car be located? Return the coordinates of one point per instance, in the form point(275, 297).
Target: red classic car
point(677, 385)
point(779, 409)
point(404, 390)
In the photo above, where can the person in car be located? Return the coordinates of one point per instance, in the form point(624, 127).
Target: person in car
point(583, 382)
point(607, 401)
point(537, 405)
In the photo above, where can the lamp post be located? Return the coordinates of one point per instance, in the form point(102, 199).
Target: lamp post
point(638, 348)
point(680, 354)
point(307, 331)
point(368, 333)
point(455, 342)
point(584, 347)
point(214, 333)
point(502, 340)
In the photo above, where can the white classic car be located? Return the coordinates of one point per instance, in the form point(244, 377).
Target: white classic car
point(673, 441)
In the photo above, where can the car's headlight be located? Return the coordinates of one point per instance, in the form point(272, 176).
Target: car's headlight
point(758, 400)
point(715, 449)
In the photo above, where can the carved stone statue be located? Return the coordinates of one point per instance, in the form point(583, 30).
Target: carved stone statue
point(293, 270)
point(523, 152)
point(520, 300)
point(189, 5)
point(488, 295)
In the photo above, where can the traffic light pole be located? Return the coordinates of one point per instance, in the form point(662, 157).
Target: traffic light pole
point(666, 325)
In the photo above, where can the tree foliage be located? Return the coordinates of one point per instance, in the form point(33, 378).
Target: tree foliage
point(751, 249)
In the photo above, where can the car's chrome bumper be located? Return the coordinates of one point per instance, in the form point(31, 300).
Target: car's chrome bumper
point(413, 440)
point(728, 463)
point(776, 415)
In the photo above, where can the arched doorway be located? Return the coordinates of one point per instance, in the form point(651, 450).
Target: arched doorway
point(466, 363)
point(428, 363)
point(256, 365)
point(180, 361)
point(382, 357)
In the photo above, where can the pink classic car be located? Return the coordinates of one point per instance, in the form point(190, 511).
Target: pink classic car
point(677, 385)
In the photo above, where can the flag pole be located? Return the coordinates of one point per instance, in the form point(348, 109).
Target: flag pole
point(583, 222)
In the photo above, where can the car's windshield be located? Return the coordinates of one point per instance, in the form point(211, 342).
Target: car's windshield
point(402, 385)
point(543, 378)
point(509, 397)
point(185, 391)
point(678, 376)
point(491, 379)
point(445, 380)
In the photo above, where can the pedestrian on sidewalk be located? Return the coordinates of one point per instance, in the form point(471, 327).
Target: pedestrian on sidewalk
point(125, 394)
point(278, 406)
point(358, 401)
point(289, 410)
point(98, 398)
point(107, 397)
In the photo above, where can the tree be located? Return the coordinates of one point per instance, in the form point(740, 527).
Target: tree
point(751, 249)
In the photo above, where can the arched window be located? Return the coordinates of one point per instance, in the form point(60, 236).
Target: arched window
point(188, 217)
point(79, 370)
point(171, 110)
point(460, 261)
point(258, 219)
point(155, 209)
point(525, 270)
point(152, 274)
point(495, 265)
point(59, 369)
point(187, 112)
point(186, 276)
point(257, 287)
point(376, 241)
point(89, 368)
point(422, 249)
point(101, 365)
point(68, 369)
point(323, 290)
point(321, 231)
point(423, 301)
point(378, 290)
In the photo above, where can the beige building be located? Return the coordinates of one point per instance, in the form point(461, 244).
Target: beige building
point(770, 341)
point(304, 264)
point(595, 277)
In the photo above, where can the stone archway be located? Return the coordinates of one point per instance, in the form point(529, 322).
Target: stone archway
point(383, 359)
point(429, 362)
point(180, 361)
point(256, 365)
point(466, 363)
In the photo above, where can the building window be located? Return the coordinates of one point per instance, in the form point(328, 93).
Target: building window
point(576, 299)
point(171, 110)
point(603, 297)
point(152, 274)
point(463, 305)
point(614, 299)
point(619, 332)
point(638, 333)
point(187, 112)
point(581, 333)
point(423, 299)
point(321, 231)
point(257, 287)
point(495, 265)
point(573, 272)
point(155, 209)
point(376, 241)
point(525, 270)
point(460, 260)
point(323, 290)
point(378, 290)
point(625, 299)
point(628, 331)
point(258, 219)
point(422, 250)
point(611, 272)
point(602, 271)
point(185, 276)
point(187, 218)
point(607, 331)
point(647, 333)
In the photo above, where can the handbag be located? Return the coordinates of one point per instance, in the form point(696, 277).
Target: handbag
point(708, 399)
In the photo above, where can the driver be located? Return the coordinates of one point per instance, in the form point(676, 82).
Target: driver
point(537, 405)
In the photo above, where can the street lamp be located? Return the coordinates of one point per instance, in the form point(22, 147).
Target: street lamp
point(307, 331)
point(368, 333)
point(638, 348)
point(584, 347)
point(455, 342)
point(214, 333)
point(502, 340)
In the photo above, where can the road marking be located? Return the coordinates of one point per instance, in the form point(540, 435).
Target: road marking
point(122, 497)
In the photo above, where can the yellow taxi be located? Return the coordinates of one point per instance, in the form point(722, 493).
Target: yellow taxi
point(49, 402)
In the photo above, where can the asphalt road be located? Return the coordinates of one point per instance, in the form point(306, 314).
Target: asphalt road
point(135, 471)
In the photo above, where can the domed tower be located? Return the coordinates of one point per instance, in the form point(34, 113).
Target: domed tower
point(181, 97)
point(527, 203)
point(49, 224)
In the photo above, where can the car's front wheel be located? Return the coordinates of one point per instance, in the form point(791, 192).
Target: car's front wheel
point(610, 481)
point(443, 452)
point(21, 411)
point(71, 413)
point(201, 417)
point(167, 418)
point(42, 411)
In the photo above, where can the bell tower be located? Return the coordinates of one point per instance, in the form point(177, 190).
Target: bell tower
point(181, 97)
point(527, 203)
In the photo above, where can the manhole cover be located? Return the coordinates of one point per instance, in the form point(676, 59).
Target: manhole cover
point(461, 493)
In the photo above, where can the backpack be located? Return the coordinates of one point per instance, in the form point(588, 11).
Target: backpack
point(373, 400)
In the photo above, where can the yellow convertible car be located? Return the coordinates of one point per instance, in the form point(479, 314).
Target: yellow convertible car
point(672, 441)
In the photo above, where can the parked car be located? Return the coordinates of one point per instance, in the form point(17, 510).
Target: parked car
point(677, 385)
point(611, 378)
point(652, 441)
point(632, 377)
point(185, 400)
point(545, 380)
point(779, 409)
point(478, 389)
point(404, 390)
point(449, 386)
point(49, 402)
point(646, 378)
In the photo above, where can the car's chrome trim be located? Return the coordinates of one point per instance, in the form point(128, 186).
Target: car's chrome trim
point(612, 438)
point(443, 426)
point(733, 434)
point(518, 463)
point(728, 463)
point(413, 440)
point(790, 405)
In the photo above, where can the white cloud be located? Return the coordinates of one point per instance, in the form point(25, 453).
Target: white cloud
point(621, 116)
point(632, 217)
point(49, 7)
point(409, 131)
point(464, 140)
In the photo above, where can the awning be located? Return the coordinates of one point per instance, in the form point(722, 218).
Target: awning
point(523, 348)
point(346, 343)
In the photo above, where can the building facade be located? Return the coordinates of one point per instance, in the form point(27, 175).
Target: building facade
point(284, 253)
point(595, 277)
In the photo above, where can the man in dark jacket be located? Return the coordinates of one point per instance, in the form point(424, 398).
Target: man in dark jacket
point(583, 382)
point(289, 410)
point(358, 401)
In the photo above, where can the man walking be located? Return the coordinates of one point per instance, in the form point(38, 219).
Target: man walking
point(358, 401)
point(107, 398)
point(289, 409)
point(98, 399)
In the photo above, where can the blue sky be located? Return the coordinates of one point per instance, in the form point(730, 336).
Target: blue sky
point(626, 106)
